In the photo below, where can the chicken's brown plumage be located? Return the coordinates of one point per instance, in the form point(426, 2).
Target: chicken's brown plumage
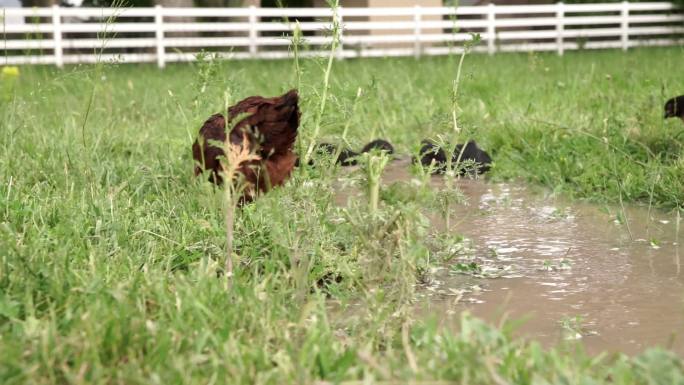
point(267, 127)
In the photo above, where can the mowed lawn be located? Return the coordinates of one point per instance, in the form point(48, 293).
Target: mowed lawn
point(111, 253)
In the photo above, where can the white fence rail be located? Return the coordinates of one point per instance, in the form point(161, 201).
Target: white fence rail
point(61, 36)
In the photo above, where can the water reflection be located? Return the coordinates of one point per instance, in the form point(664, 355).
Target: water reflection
point(559, 260)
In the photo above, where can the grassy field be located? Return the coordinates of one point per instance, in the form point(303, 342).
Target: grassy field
point(110, 250)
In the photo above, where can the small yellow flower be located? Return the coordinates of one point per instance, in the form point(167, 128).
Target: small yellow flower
point(10, 72)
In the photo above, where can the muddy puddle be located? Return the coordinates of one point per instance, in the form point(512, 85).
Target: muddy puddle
point(611, 280)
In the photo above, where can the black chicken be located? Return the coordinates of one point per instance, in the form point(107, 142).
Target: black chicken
point(379, 144)
point(675, 108)
point(432, 154)
point(346, 156)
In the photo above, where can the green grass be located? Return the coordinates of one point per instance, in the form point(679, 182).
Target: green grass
point(110, 252)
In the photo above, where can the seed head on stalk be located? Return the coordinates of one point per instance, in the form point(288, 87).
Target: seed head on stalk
point(236, 154)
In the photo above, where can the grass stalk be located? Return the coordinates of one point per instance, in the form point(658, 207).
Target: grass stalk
point(234, 186)
point(99, 66)
point(335, 35)
point(4, 34)
point(374, 163)
point(618, 181)
point(453, 168)
point(230, 206)
point(678, 223)
point(297, 39)
point(345, 131)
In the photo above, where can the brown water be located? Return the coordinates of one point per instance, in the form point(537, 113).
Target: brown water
point(558, 260)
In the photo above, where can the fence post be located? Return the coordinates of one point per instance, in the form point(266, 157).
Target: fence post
point(560, 19)
point(57, 35)
point(491, 28)
point(416, 31)
point(624, 25)
point(159, 34)
point(252, 31)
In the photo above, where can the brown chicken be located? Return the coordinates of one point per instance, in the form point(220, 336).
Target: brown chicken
point(266, 128)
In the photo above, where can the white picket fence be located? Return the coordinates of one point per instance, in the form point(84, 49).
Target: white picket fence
point(61, 35)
